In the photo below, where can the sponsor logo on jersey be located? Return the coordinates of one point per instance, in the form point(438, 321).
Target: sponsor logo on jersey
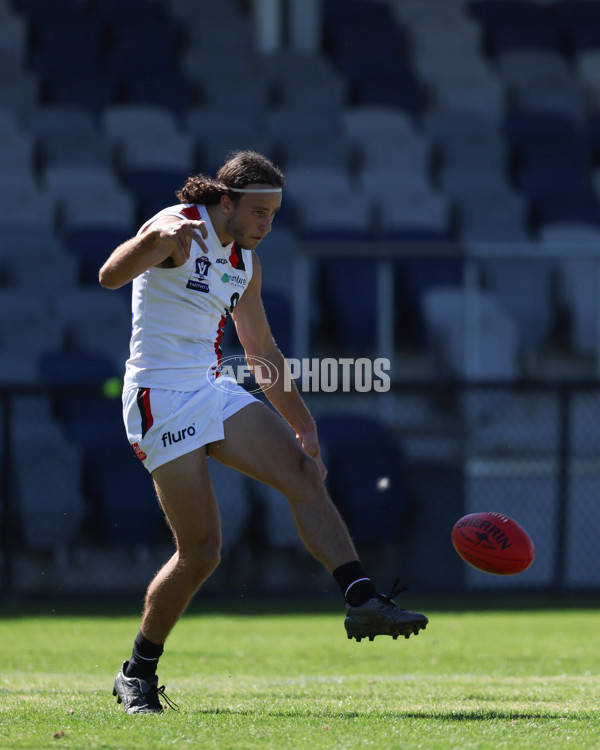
point(221, 260)
point(235, 280)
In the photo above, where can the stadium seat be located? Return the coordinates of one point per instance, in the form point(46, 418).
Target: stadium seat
point(415, 277)
point(50, 504)
point(565, 205)
point(517, 24)
point(315, 182)
point(101, 91)
point(299, 137)
point(29, 241)
point(278, 308)
point(64, 180)
point(379, 184)
point(17, 149)
point(24, 204)
point(406, 154)
point(342, 217)
point(277, 252)
point(185, 10)
point(63, 368)
point(98, 322)
point(18, 369)
point(175, 91)
point(14, 37)
point(60, 272)
point(587, 65)
point(524, 288)
point(534, 68)
point(470, 91)
point(577, 278)
point(113, 11)
point(67, 134)
point(467, 178)
point(581, 21)
point(495, 349)
point(348, 321)
point(93, 244)
point(148, 137)
point(360, 453)
point(305, 83)
point(366, 122)
point(414, 215)
point(97, 213)
point(121, 491)
point(237, 28)
point(61, 44)
point(26, 321)
point(492, 215)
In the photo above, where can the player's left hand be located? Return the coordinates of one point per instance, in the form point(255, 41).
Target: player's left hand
point(310, 443)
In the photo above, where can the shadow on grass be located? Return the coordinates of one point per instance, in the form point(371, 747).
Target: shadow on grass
point(441, 716)
point(268, 605)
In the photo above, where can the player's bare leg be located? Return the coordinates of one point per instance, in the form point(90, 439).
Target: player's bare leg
point(259, 443)
point(186, 495)
point(188, 500)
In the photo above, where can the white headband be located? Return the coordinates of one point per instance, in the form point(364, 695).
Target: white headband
point(255, 190)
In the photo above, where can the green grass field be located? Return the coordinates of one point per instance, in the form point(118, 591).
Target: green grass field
point(245, 677)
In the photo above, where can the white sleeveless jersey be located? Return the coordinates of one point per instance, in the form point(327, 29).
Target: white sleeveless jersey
point(179, 313)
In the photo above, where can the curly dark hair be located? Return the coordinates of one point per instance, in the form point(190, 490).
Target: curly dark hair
point(241, 168)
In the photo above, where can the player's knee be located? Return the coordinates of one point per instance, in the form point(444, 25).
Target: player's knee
point(309, 474)
point(202, 558)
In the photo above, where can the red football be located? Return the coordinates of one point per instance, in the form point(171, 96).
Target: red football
point(493, 542)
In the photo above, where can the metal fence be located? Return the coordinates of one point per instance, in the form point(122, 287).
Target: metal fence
point(79, 516)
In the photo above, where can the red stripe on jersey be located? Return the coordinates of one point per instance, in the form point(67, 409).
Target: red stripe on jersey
point(191, 212)
point(220, 332)
point(235, 257)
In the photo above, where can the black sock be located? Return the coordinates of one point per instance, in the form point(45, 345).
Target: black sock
point(355, 585)
point(144, 658)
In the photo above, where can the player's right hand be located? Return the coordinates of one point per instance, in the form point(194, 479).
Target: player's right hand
point(178, 236)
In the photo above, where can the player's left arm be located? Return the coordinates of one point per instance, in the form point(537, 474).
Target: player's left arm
point(255, 336)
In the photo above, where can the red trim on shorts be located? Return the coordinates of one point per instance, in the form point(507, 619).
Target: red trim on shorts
point(143, 402)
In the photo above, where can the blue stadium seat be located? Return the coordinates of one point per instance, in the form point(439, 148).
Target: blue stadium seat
point(517, 24)
point(62, 45)
point(279, 314)
point(361, 452)
point(154, 189)
point(100, 91)
point(346, 289)
point(581, 20)
point(565, 205)
point(92, 245)
point(122, 492)
point(173, 90)
point(64, 368)
point(414, 278)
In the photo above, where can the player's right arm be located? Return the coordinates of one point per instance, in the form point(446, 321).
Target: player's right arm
point(165, 242)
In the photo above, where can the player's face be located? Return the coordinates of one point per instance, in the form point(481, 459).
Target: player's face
point(249, 219)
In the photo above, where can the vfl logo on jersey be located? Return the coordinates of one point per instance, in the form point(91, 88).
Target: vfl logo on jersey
point(198, 279)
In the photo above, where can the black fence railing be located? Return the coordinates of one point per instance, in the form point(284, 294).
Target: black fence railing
point(79, 517)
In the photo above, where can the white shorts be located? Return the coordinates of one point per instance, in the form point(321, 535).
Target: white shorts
point(162, 425)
